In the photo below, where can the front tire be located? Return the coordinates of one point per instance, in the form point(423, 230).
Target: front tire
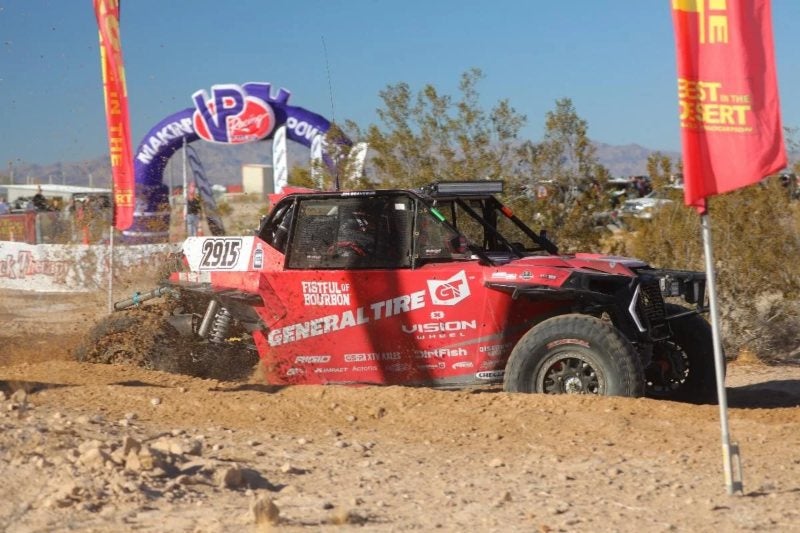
point(575, 354)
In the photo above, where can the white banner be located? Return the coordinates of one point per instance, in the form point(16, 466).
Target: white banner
point(280, 164)
point(317, 174)
point(358, 155)
point(73, 268)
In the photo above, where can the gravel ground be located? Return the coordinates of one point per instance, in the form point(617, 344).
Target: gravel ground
point(114, 448)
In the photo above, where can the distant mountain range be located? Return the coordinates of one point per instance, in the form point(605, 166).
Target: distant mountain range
point(223, 164)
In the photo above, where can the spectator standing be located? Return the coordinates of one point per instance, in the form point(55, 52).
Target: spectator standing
point(4, 207)
point(39, 201)
point(193, 209)
point(68, 219)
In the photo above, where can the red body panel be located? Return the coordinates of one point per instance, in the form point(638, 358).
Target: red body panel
point(443, 323)
point(436, 323)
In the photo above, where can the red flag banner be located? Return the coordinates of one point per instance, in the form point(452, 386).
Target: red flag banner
point(731, 130)
point(117, 120)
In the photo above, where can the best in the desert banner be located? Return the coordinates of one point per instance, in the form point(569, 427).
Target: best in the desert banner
point(116, 103)
point(727, 95)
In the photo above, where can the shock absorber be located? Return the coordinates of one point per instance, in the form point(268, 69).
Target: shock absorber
point(219, 329)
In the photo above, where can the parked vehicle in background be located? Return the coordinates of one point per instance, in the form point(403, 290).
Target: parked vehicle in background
point(646, 206)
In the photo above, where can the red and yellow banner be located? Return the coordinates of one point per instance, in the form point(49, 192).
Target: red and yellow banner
point(731, 130)
point(116, 101)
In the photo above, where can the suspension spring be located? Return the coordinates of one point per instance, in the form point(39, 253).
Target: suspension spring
point(219, 329)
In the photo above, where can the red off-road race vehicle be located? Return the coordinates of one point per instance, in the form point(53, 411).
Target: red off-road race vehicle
point(442, 286)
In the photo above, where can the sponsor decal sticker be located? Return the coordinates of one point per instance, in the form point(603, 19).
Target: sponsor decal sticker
point(312, 359)
point(325, 293)
point(440, 353)
point(495, 350)
point(452, 328)
point(338, 370)
point(504, 275)
point(347, 319)
point(450, 291)
point(494, 374)
point(399, 367)
point(463, 364)
point(258, 258)
point(432, 366)
point(365, 357)
point(370, 368)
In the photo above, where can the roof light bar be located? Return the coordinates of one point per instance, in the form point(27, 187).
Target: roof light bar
point(465, 188)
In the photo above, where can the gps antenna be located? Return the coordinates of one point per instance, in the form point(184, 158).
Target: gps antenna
point(333, 110)
point(328, 70)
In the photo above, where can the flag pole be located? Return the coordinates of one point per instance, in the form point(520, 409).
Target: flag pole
point(731, 461)
point(111, 268)
point(185, 189)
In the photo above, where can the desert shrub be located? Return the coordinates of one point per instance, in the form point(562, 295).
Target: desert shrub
point(755, 244)
point(224, 208)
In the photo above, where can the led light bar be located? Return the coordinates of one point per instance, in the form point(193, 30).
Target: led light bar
point(465, 188)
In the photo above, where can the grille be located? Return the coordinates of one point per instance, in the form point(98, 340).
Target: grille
point(651, 302)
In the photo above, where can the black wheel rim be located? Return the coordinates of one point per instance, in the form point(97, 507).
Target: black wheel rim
point(569, 373)
point(668, 370)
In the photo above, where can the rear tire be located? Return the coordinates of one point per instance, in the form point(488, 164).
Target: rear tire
point(138, 337)
point(682, 368)
point(575, 354)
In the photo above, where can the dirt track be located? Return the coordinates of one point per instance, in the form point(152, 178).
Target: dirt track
point(207, 453)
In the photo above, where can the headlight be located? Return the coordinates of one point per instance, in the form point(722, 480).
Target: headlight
point(670, 287)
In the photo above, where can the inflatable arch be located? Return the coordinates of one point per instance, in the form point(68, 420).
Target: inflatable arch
point(233, 114)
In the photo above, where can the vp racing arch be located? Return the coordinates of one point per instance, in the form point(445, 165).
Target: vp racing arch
point(233, 114)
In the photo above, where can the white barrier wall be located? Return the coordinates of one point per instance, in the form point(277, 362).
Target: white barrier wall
point(73, 268)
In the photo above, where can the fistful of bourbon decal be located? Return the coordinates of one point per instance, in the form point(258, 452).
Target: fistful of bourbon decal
point(325, 293)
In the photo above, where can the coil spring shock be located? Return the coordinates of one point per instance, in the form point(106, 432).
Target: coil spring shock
point(219, 329)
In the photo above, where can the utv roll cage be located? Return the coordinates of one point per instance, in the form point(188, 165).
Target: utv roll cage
point(476, 198)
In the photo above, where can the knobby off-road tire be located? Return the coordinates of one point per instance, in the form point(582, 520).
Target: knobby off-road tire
point(575, 354)
point(139, 337)
point(682, 368)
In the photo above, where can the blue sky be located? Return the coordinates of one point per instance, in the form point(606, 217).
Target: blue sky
point(615, 60)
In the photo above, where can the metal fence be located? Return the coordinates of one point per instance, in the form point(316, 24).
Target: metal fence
point(56, 227)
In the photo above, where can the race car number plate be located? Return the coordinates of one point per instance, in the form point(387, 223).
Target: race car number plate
point(220, 254)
